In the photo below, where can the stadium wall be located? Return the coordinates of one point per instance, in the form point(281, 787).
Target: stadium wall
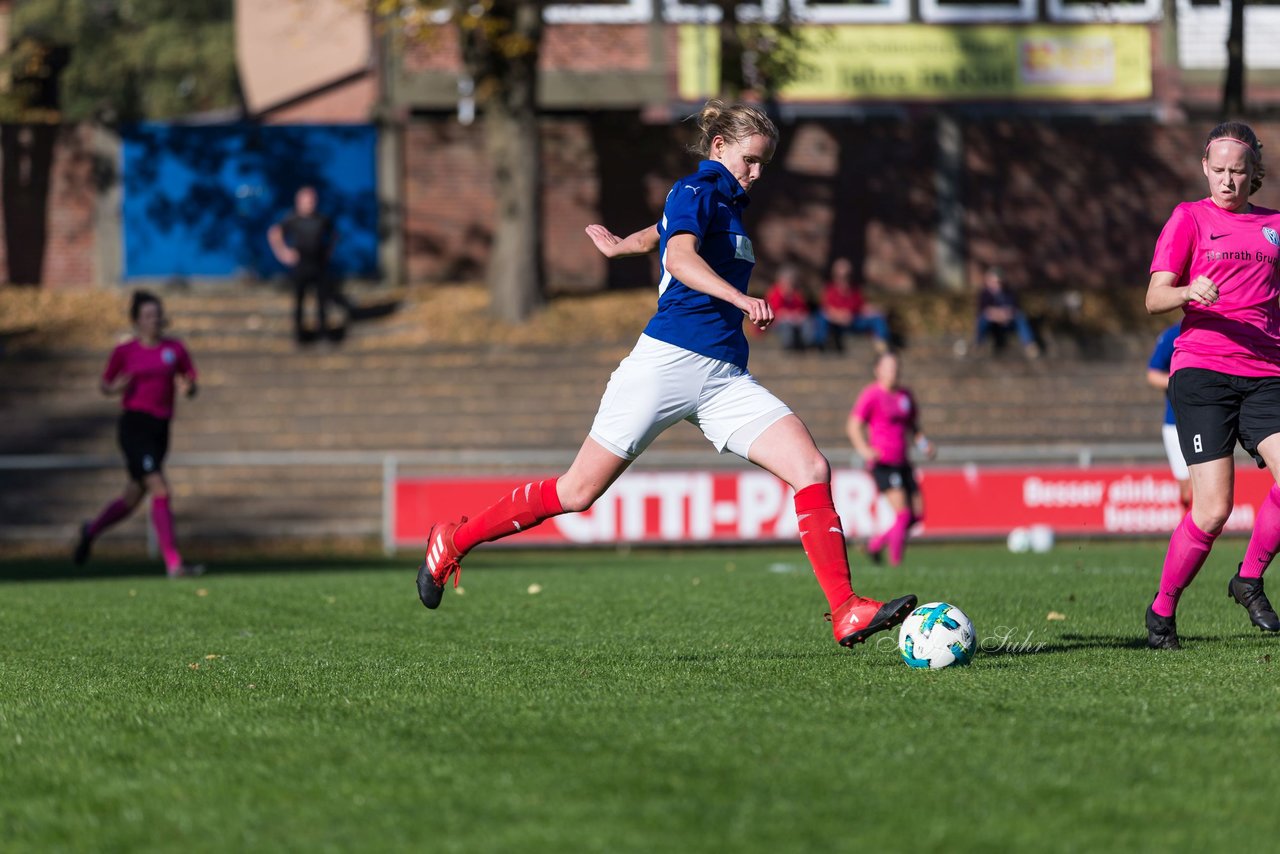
point(1059, 203)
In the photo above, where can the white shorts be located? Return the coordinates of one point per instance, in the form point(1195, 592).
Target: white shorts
point(1173, 451)
point(658, 384)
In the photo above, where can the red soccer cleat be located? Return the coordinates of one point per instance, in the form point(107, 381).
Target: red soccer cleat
point(441, 561)
point(858, 619)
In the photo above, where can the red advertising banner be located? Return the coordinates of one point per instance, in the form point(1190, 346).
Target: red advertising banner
point(753, 506)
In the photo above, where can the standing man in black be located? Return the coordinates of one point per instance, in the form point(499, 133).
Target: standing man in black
point(303, 242)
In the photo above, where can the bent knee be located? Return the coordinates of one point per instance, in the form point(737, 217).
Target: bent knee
point(576, 498)
point(1211, 520)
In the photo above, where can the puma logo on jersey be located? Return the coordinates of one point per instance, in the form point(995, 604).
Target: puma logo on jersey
point(691, 187)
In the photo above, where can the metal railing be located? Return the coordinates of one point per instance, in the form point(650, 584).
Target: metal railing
point(390, 464)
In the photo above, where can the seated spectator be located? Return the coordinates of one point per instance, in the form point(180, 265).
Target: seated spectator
point(998, 312)
point(844, 310)
point(792, 316)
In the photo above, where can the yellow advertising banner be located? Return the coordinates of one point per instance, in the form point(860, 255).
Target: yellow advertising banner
point(919, 62)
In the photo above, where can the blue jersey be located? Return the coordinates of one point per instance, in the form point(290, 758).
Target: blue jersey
point(1162, 358)
point(707, 204)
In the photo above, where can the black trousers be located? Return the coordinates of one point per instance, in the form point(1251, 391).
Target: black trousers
point(309, 278)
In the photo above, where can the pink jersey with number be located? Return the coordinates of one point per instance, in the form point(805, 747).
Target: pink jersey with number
point(152, 370)
point(890, 417)
point(1238, 252)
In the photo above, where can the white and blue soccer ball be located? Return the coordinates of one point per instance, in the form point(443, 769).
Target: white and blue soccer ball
point(937, 635)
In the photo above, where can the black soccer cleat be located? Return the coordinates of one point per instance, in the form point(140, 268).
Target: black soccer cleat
point(1162, 632)
point(81, 555)
point(1248, 592)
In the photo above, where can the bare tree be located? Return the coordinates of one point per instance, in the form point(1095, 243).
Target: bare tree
point(500, 42)
point(1233, 87)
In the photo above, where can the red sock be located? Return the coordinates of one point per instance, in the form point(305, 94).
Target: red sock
point(112, 513)
point(162, 520)
point(1265, 538)
point(525, 507)
point(823, 541)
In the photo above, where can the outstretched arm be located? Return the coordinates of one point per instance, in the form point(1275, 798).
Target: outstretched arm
point(612, 246)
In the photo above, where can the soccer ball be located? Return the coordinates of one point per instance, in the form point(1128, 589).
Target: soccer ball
point(937, 635)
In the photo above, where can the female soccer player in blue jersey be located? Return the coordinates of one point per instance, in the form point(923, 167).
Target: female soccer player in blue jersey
point(690, 364)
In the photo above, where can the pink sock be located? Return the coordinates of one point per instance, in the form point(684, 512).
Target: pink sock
point(1265, 538)
point(1188, 547)
point(822, 537)
point(525, 507)
point(897, 537)
point(112, 513)
point(162, 519)
point(876, 543)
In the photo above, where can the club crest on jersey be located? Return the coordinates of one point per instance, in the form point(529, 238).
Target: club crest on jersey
point(742, 248)
point(1272, 236)
point(168, 356)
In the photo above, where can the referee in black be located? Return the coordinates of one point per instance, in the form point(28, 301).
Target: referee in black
point(303, 242)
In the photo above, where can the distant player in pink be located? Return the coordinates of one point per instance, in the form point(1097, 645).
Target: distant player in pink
point(1216, 259)
point(145, 371)
point(883, 426)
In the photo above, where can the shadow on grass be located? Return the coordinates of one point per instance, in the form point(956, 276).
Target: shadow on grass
point(1026, 646)
point(47, 570)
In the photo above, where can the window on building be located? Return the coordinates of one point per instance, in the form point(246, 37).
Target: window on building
point(600, 12)
point(685, 12)
point(967, 11)
point(847, 12)
point(1117, 11)
point(1202, 34)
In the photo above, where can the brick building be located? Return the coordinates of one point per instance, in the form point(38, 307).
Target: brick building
point(1054, 141)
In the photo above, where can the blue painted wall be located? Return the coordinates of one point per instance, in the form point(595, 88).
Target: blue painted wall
point(198, 200)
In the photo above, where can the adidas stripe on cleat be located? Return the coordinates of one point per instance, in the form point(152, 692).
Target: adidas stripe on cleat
point(440, 562)
point(858, 619)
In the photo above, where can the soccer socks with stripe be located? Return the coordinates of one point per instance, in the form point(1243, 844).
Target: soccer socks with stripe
point(1188, 547)
point(162, 520)
point(1265, 538)
point(525, 507)
point(112, 513)
point(897, 536)
point(822, 537)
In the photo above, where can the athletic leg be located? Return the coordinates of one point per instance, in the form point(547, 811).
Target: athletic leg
point(162, 521)
point(117, 509)
point(1213, 483)
point(1246, 587)
point(787, 450)
point(593, 471)
point(895, 538)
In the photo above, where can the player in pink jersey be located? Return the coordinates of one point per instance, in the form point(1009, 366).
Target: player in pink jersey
point(145, 371)
point(1216, 259)
point(883, 426)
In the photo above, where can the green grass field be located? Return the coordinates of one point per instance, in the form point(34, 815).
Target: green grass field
point(656, 701)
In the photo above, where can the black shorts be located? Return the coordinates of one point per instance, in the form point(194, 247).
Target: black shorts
point(145, 441)
point(894, 477)
point(1214, 410)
